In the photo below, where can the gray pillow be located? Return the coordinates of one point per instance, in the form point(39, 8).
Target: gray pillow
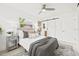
point(25, 34)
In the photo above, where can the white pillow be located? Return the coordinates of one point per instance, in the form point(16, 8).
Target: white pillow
point(21, 35)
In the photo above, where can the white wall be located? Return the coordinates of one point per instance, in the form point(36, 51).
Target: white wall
point(2, 35)
point(9, 18)
point(66, 28)
point(77, 30)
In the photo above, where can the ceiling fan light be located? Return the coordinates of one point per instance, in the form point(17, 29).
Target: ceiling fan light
point(43, 10)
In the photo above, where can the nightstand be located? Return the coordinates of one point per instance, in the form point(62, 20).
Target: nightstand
point(11, 42)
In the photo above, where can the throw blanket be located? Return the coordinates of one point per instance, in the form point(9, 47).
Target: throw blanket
point(45, 46)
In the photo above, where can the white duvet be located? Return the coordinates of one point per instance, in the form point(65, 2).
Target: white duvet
point(26, 42)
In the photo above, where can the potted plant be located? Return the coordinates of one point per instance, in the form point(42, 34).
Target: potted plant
point(22, 22)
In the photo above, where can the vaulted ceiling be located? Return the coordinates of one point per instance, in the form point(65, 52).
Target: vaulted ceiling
point(12, 11)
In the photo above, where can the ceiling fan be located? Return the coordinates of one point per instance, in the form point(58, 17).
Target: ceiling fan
point(45, 8)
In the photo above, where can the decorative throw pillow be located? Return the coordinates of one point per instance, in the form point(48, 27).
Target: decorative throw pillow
point(25, 34)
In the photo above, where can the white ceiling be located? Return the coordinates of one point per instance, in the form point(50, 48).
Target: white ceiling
point(31, 10)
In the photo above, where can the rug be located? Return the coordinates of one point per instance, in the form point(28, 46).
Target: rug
point(63, 50)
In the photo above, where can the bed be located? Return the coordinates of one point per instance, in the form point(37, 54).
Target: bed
point(26, 42)
point(37, 43)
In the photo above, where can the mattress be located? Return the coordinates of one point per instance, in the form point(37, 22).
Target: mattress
point(26, 42)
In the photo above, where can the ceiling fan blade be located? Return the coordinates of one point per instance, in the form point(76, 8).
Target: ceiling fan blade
point(50, 9)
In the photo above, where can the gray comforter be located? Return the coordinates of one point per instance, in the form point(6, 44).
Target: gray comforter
point(43, 47)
